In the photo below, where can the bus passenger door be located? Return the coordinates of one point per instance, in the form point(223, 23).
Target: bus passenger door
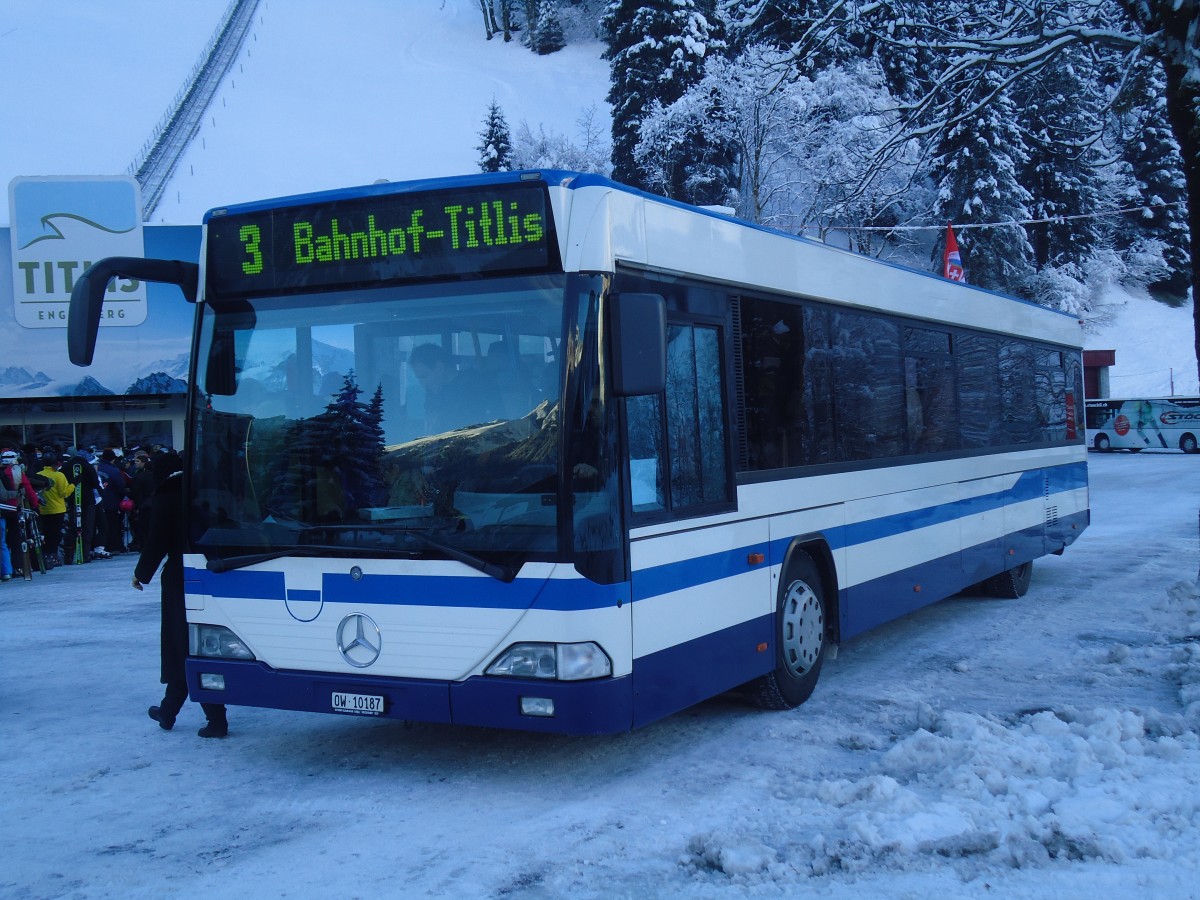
point(701, 590)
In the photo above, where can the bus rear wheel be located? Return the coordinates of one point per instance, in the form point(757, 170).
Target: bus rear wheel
point(1187, 443)
point(1102, 443)
point(800, 622)
point(1008, 585)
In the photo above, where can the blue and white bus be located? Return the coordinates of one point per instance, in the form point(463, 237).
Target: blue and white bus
point(540, 451)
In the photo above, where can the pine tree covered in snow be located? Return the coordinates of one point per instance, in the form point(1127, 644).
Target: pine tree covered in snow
point(656, 51)
point(1063, 175)
point(688, 150)
point(1156, 168)
point(495, 147)
point(784, 25)
point(976, 170)
point(546, 35)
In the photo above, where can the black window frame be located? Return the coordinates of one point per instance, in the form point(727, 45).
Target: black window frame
point(684, 296)
point(1070, 367)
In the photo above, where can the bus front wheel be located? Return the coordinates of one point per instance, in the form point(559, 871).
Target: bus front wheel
point(1102, 443)
point(800, 626)
point(1187, 443)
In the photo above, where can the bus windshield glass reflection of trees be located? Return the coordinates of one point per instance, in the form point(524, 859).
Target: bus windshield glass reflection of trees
point(358, 416)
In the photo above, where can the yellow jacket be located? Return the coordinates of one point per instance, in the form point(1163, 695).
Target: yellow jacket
point(54, 498)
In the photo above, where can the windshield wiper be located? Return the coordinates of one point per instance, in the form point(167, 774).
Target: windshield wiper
point(495, 570)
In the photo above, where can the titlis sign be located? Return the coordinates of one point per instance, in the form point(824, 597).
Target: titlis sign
point(59, 227)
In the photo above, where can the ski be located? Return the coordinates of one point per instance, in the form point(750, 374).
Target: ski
point(35, 538)
point(26, 567)
point(77, 478)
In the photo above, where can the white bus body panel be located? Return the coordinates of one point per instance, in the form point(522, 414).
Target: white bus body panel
point(608, 226)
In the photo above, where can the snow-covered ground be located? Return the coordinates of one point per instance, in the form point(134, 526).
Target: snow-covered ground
point(1047, 747)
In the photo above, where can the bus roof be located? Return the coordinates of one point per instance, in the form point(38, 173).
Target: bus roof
point(602, 223)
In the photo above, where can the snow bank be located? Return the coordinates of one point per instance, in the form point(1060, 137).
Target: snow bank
point(974, 792)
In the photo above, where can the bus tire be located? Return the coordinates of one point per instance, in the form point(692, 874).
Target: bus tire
point(1102, 443)
point(1010, 584)
point(800, 638)
point(1187, 443)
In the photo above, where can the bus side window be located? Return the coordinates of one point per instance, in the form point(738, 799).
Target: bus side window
point(696, 416)
point(678, 455)
point(645, 453)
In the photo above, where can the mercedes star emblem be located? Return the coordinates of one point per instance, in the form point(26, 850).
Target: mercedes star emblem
point(358, 640)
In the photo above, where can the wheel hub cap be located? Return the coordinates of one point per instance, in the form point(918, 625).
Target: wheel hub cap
point(803, 628)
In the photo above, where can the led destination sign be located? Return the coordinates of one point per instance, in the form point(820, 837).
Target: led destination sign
point(362, 241)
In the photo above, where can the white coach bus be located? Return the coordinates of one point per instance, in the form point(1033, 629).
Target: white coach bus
point(537, 450)
point(1161, 423)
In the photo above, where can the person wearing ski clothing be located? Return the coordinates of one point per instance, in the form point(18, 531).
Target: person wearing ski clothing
point(54, 505)
point(8, 496)
point(18, 493)
point(113, 487)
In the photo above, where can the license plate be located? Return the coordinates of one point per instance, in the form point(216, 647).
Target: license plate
point(358, 704)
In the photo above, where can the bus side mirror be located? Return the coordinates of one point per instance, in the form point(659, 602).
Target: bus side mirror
point(638, 325)
point(87, 296)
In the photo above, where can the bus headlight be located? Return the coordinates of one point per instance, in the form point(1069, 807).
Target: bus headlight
point(216, 641)
point(561, 662)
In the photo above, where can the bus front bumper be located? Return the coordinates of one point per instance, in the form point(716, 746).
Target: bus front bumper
point(600, 706)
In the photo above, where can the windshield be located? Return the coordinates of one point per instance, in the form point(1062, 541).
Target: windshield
point(417, 421)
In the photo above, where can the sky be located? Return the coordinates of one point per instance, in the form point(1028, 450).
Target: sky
point(1047, 747)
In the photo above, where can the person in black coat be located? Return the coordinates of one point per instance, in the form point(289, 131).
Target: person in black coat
point(141, 489)
point(165, 540)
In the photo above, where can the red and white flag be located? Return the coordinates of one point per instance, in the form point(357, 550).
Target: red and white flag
point(953, 268)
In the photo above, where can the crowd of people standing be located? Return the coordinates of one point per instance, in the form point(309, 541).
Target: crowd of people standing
point(88, 505)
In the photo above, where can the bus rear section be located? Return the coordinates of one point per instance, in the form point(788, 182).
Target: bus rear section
point(1156, 423)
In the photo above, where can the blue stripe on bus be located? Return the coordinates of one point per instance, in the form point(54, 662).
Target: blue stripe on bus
point(674, 678)
point(669, 680)
point(677, 576)
point(580, 594)
point(414, 590)
point(1028, 487)
point(664, 579)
